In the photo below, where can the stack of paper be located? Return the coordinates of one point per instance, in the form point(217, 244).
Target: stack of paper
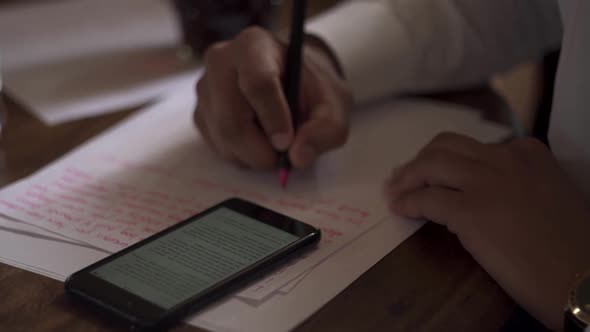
point(154, 170)
point(72, 59)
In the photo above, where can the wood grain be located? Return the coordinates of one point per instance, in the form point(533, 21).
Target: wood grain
point(429, 283)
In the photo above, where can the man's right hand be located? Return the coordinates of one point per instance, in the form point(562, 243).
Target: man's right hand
point(242, 112)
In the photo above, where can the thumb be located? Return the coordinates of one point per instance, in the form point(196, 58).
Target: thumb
point(325, 129)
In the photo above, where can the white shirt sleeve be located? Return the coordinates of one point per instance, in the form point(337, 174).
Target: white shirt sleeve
point(397, 46)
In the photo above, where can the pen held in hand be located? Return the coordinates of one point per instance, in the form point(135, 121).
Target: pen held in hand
point(292, 78)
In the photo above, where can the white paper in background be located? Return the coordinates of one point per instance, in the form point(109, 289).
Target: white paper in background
point(37, 33)
point(93, 85)
point(73, 59)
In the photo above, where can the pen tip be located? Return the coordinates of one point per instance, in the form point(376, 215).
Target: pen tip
point(283, 177)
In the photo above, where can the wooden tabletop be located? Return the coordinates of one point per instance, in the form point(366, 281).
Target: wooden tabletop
point(428, 283)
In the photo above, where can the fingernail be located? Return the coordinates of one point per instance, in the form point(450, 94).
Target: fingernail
point(280, 141)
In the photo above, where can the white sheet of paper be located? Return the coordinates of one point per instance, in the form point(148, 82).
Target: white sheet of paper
point(85, 87)
point(103, 213)
point(83, 58)
point(37, 33)
point(160, 172)
point(24, 228)
point(33, 249)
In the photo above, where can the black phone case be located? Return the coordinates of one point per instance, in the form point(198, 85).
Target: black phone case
point(240, 280)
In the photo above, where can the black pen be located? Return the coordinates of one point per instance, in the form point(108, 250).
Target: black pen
point(292, 78)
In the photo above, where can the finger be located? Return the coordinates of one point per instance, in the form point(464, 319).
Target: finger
point(253, 149)
point(259, 66)
point(231, 121)
point(204, 113)
point(528, 149)
point(326, 129)
point(449, 141)
point(437, 167)
point(440, 205)
point(201, 125)
point(200, 109)
point(240, 136)
point(460, 144)
point(323, 116)
point(215, 145)
point(212, 140)
point(200, 117)
point(243, 139)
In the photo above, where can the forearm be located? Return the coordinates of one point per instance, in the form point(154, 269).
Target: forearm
point(397, 46)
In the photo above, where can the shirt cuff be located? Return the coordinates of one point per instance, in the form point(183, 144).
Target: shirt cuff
point(366, 39)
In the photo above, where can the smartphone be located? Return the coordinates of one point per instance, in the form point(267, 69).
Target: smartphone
point(157, 281)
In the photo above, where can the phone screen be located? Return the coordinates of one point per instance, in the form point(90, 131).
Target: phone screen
point(194, 257)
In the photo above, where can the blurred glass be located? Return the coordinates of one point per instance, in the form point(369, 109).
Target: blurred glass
point(205, 22)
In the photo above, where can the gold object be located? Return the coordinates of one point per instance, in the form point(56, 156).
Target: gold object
point(579, 299)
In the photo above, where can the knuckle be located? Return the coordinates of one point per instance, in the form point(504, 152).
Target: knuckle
point(445, 137)
point(342, 88)
point(528, 149)
point(511, 158)
point(259, 83)
point(411, 171)
point(215, 53)
point(450, 139)
point(436, 156)
point(442, 159)
point(253, 33)
point(432, 153)
point(327, 120)
point(529, 144)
